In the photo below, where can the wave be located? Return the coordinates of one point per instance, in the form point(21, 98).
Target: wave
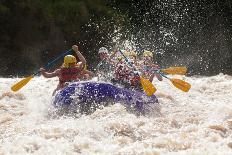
point(197, 122)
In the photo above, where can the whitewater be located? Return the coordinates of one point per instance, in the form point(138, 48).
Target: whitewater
point(197, 122)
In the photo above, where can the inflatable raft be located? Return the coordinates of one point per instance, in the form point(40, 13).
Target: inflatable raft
point(87, 96)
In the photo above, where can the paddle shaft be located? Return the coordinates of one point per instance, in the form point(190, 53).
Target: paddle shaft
point(158, 71)
point(127, 60)
point(54, 60)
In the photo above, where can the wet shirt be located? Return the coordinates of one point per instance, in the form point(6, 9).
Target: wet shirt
point(105, 66)
point(106, 69)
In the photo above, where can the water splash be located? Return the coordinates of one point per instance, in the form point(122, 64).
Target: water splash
point(197, 122)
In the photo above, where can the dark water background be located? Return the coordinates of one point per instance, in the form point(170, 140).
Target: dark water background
point(196, 34)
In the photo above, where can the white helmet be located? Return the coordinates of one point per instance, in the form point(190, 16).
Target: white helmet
point(103, 50)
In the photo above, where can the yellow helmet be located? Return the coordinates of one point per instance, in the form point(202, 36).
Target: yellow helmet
point(131, 53)
point(119, 58)
point(126, 53)
point(147, 53)
point(69, 59)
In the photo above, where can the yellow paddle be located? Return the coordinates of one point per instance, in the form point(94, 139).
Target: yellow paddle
point(23, 82)
point(175, 70)
point(180, 84)
point(147, 86)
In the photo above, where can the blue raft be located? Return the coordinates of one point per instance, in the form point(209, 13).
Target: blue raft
point(87, 96)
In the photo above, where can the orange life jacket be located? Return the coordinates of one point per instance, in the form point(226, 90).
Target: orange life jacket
point(69, 74)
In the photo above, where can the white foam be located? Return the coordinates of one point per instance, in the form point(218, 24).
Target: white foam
point(197, 122)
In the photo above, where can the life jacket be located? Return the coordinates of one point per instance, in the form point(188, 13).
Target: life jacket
point(69, 74)
point(122, 73)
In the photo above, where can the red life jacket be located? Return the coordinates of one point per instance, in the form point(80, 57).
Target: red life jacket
point(69, 74)
point(121, 73)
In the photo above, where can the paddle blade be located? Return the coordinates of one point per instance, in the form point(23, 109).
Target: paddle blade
point(148, 87)
point(21, 83)
point(175, 70)
point(180, 84)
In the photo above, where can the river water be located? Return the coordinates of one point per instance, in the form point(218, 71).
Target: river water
point(197, 122)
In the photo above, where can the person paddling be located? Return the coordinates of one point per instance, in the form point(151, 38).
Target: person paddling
point(127, 76)
point(148, 67)
point(106, 65)
point(69, 71)
point(134, 77)
point(121, 74)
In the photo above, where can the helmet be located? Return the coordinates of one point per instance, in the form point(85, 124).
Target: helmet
point(126, 53)
point(69, 59)
point(133, 53)
point(103, 50)
point(119, 58)
point(147, 53)
point(130, 53)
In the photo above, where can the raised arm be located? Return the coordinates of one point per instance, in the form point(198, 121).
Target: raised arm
point(49, 75)
point(80, 56)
